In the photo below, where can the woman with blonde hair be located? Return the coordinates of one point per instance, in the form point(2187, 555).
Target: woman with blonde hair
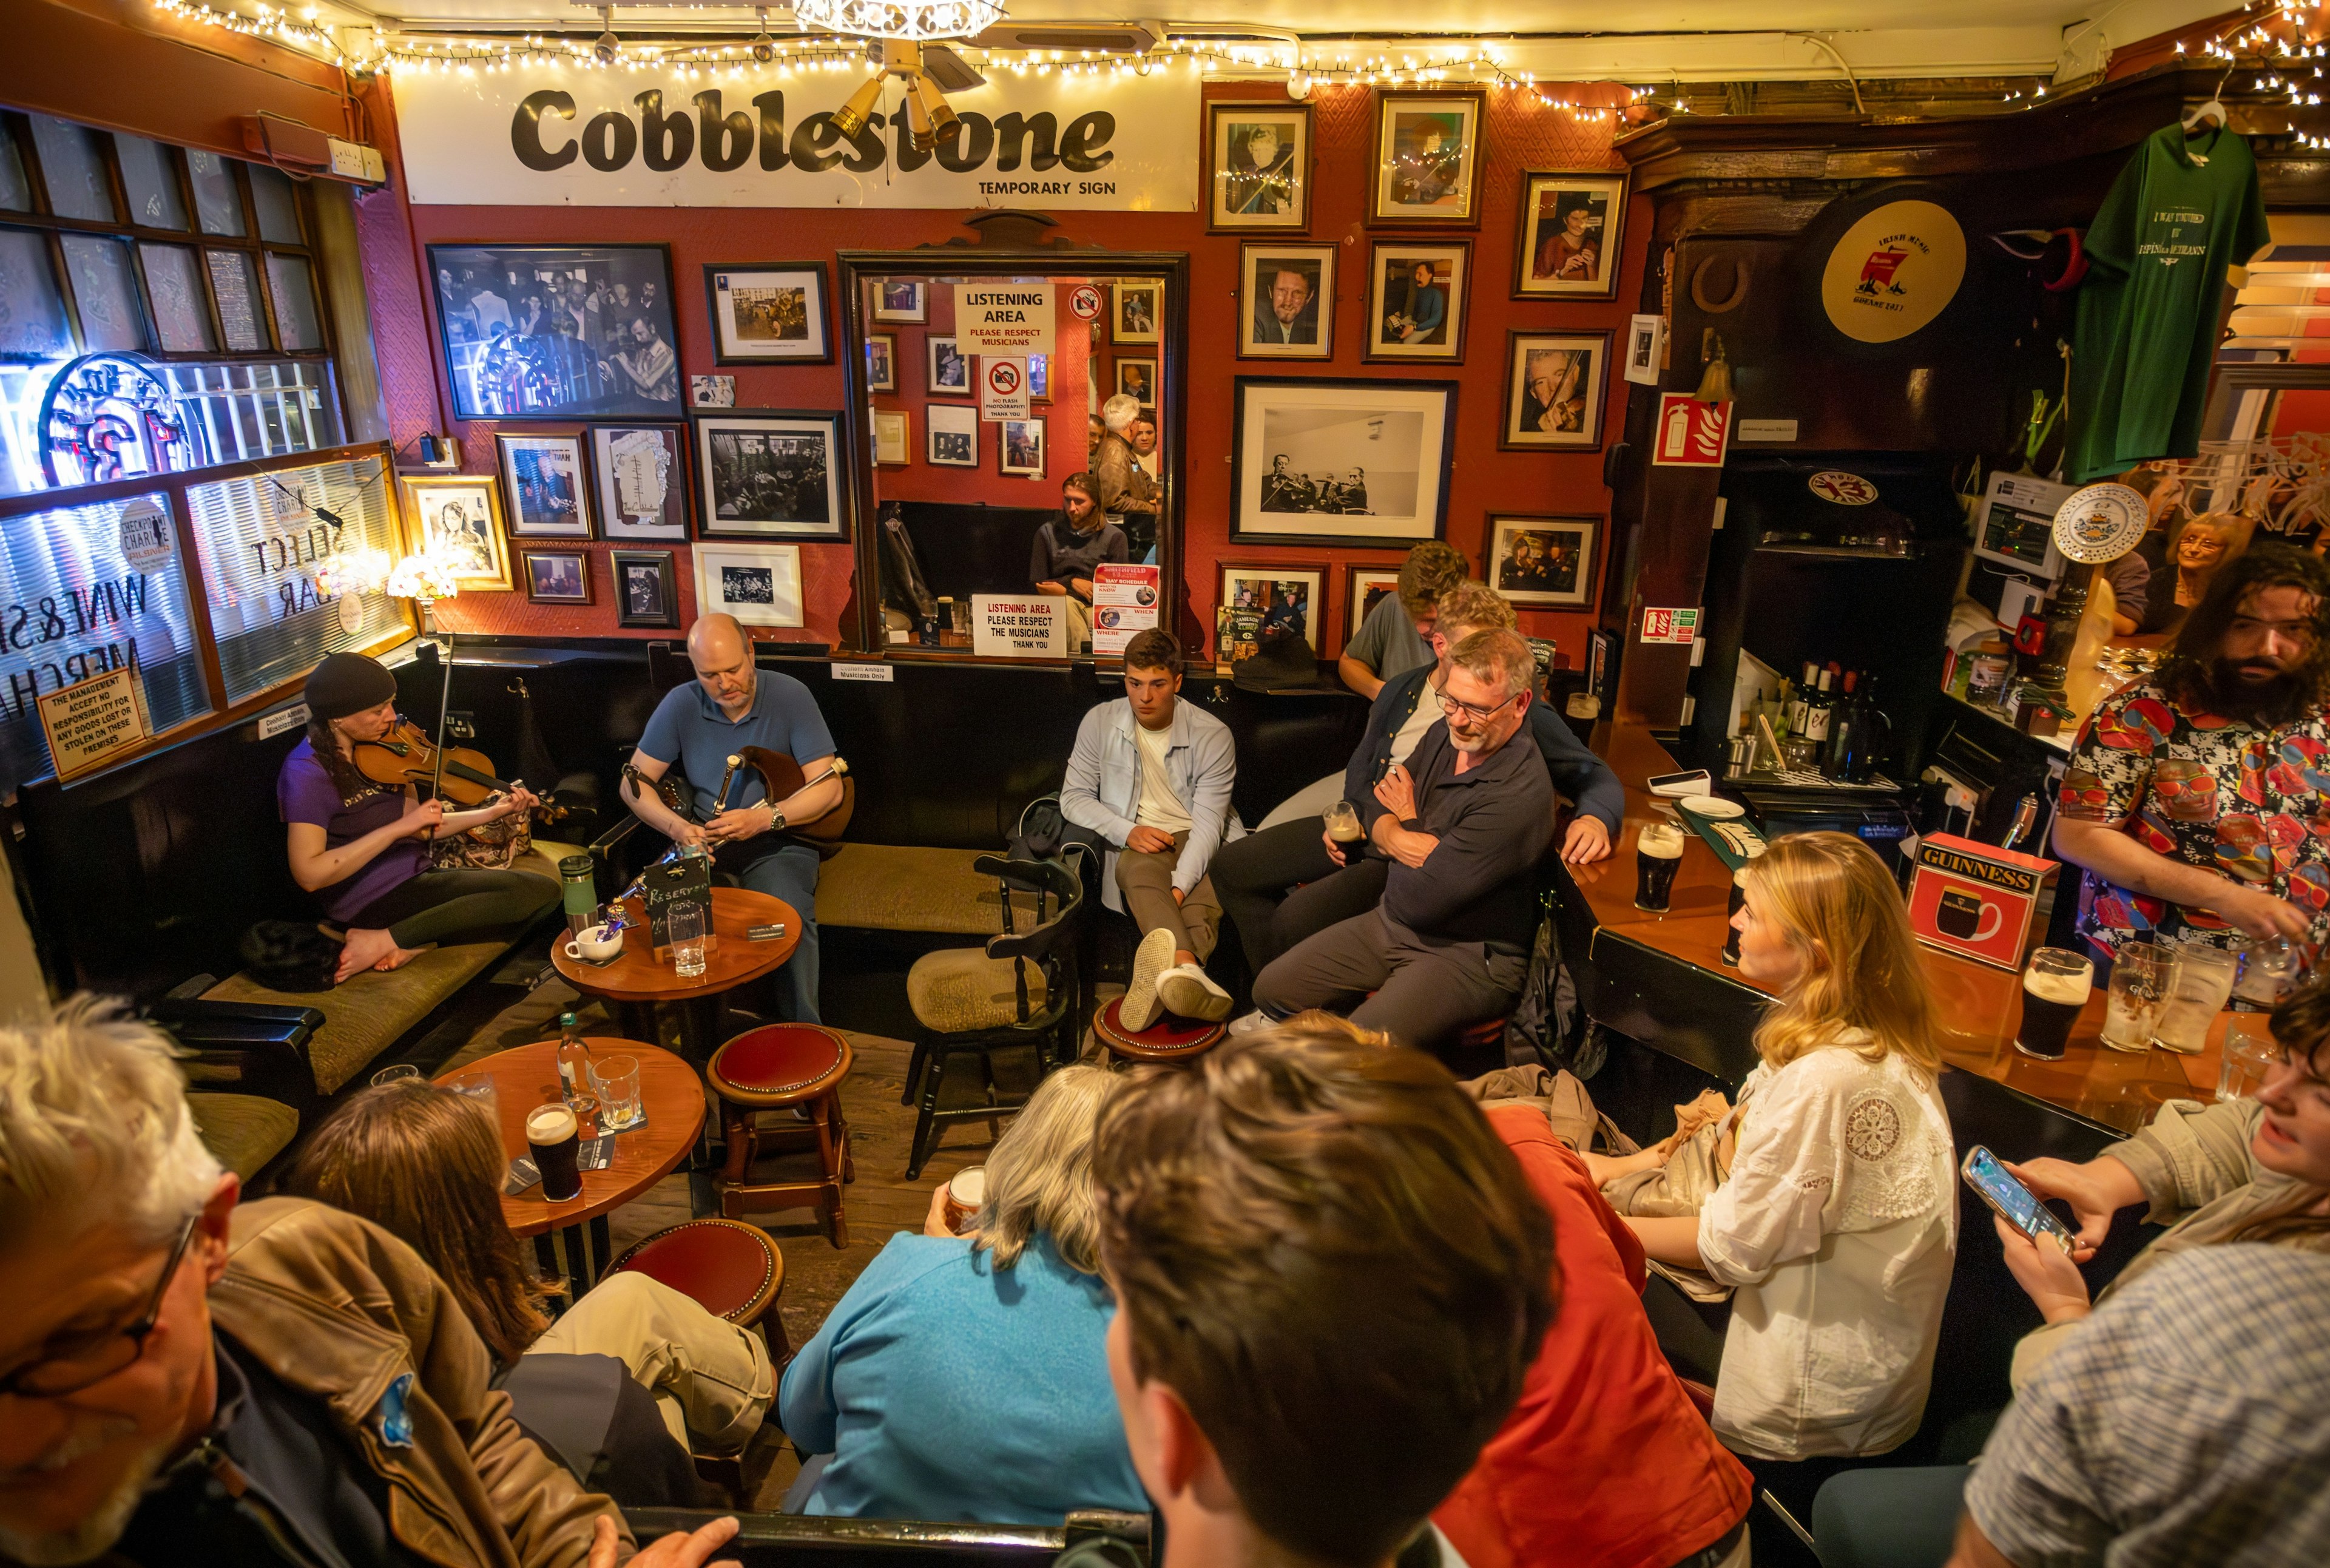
point(2197, 548)
point(1836, 1220)
point(966, 1377)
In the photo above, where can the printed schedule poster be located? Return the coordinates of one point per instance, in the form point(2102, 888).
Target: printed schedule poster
point(1125, 603)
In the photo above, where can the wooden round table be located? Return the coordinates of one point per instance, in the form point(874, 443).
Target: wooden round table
point(641, 986)
point(526, 1076)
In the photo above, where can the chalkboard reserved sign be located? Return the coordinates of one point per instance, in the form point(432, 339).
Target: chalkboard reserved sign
point(675, 885)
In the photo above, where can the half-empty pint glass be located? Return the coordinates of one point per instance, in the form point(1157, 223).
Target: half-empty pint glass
point(1658, 854)
point(2140, 979)
point(2198, 990)
point(554, 1138)
point(2055, 987)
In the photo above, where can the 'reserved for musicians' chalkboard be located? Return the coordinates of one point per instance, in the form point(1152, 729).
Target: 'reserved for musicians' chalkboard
point(675, 884)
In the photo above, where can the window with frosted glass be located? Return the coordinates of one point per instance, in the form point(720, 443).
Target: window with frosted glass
point(74, 169)
point(278, 209)
point(234, 284)
point(16, 190)
point(296, 325)
point(181, 309)
point(105, 287)
point(150, 177)
point(216, 201)
point(32, 309)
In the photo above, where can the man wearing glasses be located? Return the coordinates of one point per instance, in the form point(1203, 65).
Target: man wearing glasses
point(1461, 824)
point(186, 1384)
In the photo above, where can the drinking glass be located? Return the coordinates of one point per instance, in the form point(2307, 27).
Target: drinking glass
point(2055, 988)
point(2198, 989)
point(1343, 819)
point(618, 1077)
point(2271, 967)
point(686, 927)
point(397, 1074)
point(585, 1106)
point(2251, 1050)
point(478, 1088)
point(2140, 981)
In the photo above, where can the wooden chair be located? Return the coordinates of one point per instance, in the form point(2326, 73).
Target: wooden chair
point(774, 1068)
point(1018, 989)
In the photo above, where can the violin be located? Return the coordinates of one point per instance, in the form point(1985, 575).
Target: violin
point(406, 755)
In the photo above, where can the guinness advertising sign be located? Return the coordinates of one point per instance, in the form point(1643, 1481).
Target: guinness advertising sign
point(562, 136)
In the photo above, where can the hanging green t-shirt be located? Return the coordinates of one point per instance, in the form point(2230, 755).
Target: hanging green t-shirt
point(2182, 211)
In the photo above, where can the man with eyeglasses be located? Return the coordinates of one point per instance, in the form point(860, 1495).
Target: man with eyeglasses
point(1460, 825)
point(2196, 800)
point(187, 1383)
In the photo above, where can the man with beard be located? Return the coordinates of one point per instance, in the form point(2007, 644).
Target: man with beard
point(2191, 798)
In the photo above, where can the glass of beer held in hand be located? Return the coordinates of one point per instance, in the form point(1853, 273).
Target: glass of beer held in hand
point(2055, 987)
point(1343, 826)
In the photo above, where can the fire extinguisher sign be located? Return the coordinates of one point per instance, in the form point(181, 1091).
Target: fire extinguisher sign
point(1691, 434)
point(1670, 625)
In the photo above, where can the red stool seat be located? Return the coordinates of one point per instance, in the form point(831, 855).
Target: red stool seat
point(1169, 1038)
point(778, 1063)
point(1489, 1032)
point(731, 1270)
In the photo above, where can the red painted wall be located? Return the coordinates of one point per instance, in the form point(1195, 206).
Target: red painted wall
point(1520, 137)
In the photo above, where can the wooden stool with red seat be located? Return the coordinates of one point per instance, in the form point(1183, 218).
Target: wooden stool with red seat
point(730, 1269)
point(1169, 1038)
point(777, 1067)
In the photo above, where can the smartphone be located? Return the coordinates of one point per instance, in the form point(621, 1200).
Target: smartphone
point(2013, 1201)
point(1680, 785)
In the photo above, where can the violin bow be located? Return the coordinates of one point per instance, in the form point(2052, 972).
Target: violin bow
point(444, 710)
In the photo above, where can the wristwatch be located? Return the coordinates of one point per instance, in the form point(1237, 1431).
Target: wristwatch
point(776, 817)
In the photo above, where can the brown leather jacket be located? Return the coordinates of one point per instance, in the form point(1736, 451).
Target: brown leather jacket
point(338, 1307)
point(1124, 485)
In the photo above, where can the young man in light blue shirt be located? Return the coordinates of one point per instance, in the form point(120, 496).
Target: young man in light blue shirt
point(1151, 777)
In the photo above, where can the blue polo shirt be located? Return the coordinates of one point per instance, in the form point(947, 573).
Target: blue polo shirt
point(689, 729)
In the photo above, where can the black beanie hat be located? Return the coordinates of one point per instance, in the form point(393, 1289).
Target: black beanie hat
point(345, 683)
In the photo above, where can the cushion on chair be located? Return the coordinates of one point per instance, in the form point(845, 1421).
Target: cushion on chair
point(731, 1270)
point(1169, 1038)
point(899, 888)
point(779, 1063)
point(245, 1131)
point(962, 989)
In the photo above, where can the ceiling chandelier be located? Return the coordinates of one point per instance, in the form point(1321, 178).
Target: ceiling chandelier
point(906, 21)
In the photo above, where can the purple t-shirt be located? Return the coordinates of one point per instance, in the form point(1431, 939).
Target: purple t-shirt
point(304, 792)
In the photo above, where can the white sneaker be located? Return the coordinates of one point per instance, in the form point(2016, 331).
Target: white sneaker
point(1185, 992)
point(1252, 1021)
point(1151, 959)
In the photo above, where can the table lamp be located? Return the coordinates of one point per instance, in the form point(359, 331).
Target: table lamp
point(425, 579)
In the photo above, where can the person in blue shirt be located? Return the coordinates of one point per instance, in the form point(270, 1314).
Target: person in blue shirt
point(965, 1378)
point(730, 704)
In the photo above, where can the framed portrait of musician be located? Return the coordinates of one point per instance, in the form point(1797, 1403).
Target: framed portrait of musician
point(1137, 379)
point(1258, 602)
point(948, 367)
point(1544, 563)
point(1257, 167)
point(641, 478)
point(760, 584)
point(647, 588)
point(881, 362)
point(551, 332)
point(1136, 312)
point(952, 434)
point(1555, 384)
point(1019, 451)
point(556, 576)
point(1428, 155)
point(1415, 300)
point(1364, 588)
point(1359, 463)
point(1569, 237)
point(767, 312)
point(541, 480)
point(1289, 300)
point(771, 473)
point(458, 518)
point(901, 300)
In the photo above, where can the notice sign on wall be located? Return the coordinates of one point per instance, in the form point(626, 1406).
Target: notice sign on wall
point(1003, 317)
point(1019, 626)
point(90, 721)
point(1003, 387)
point(1124, 602)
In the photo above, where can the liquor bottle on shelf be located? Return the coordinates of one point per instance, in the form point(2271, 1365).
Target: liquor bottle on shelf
point(1801, 702)
point(1818, 711)
point(1858, 734)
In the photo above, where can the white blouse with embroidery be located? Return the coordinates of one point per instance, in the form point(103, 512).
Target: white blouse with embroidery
point(1837, 1225)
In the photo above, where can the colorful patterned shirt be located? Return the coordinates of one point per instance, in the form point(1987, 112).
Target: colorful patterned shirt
point(2252, 804)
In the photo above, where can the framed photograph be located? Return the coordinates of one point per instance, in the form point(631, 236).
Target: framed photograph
point(1646, 349)
point(953, 435)
point(556, 576)
point(1039, 378)
point(712, 391)
point(1553, 382)
point(1339, 462)
point(769, 311)
point(1137, 379)
point(1365, 587)
point(641, 471)
point(893, 436)
point(1571, 226)
point(1136, 314)
point(774, 473)
point(1290, 301)
point(760, 584)
point(949, 366)
point(459, 516)
point(1428, 158)
point(557, 331)
point(1283, 598)
point(542, 481)
point(1547, 562)
point(1415, 300)
point(896, 300)
point(1020, 452)
point(647, 588)
point(881, 362)
point(1257, 166)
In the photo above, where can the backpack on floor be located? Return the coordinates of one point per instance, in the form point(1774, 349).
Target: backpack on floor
point(1549, 1026)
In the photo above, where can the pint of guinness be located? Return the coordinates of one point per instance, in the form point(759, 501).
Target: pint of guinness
point(555, 1139)
point(2055, 987)
point(1658, 854)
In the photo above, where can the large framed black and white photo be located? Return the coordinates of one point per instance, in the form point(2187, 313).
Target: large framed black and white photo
point(1339, 462)
point(1570, 231)
point(767, 312)
point(1417, 299)
point(1554, 387)
point(542, 479)
point(760, 584)
point(557, 332)
point(641, 480)
point(1288, 310)
point(1257, 166)
point(776, 474)
point(1544, 562)
point(1428, 158)
point(647, 588)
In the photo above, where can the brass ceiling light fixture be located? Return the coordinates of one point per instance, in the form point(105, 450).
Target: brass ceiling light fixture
point(900, 28)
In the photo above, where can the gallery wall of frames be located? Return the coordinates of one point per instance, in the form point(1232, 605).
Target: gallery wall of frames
point(1474, 252)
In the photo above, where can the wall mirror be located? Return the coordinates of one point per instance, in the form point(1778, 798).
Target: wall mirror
point(965, 452)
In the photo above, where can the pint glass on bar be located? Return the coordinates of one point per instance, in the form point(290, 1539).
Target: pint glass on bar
point(2055, 987)
point(1658, 853)
point(554, 1137)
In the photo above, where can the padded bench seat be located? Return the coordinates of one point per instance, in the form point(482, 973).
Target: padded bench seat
point(243, 1130)
point(900, 887)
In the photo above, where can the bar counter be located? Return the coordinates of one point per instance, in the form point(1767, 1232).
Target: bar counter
point(1662, 979)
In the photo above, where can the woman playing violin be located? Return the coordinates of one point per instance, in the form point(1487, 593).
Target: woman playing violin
point(361, 848)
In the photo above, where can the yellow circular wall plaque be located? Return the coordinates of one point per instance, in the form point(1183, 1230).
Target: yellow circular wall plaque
point(1894, 271)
